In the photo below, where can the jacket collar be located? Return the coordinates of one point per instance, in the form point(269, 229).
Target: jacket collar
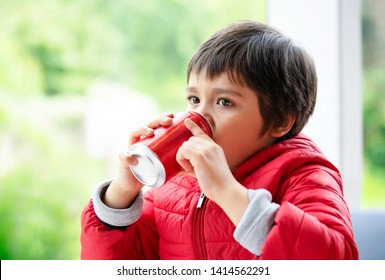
point(292, 148)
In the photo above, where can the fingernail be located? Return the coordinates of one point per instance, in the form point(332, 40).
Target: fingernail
point(166, 119)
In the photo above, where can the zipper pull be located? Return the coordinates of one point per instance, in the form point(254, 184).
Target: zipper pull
point(200, 201)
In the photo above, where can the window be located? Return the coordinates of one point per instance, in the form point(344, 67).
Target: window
point(373, 43)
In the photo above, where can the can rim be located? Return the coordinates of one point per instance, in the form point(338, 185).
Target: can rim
point(147, 158)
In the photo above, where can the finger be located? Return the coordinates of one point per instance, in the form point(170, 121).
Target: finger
point(164, 119)
point(183, 161)
point(194, 128)
point(127, 160)
point(186, 166)
point(188, 153)
point(136, 135)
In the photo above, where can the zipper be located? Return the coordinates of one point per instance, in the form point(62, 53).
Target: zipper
point(201, 199)
point(198, 228)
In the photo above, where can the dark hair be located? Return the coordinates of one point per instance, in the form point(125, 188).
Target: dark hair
point(281, 73)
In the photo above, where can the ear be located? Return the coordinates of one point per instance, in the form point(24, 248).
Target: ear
point(281, 130)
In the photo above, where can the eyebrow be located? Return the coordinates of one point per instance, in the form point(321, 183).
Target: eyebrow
point(217, 91)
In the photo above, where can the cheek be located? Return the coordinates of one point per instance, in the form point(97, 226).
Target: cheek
point(229, 138)
point(238, 132)
point(225, 135)
point(238, 143)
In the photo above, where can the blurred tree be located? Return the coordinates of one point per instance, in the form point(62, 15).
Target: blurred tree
point(60, 39)
point(61, 46)
point(373, 24)
point(52, 51)
point(374, 116)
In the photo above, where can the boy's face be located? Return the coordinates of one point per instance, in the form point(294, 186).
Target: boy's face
point(233, 111)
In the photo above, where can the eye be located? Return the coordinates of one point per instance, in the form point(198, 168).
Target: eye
point(193, 100)
point(225, 102)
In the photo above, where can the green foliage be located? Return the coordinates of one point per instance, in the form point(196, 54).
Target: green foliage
point(61, 46)
point(51, 50)
point(374, 192)
point(45, 183)
point(374, 116)
point(56, 46)
point(373, 103)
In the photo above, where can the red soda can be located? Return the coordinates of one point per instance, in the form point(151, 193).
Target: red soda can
point(156, 155)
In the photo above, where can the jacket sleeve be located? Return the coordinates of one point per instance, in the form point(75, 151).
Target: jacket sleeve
point(258, 218)
point(313, 221)
point(101, 240)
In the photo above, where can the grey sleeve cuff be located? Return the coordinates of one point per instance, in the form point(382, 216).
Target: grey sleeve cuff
point(116, 217)
point(257, 221)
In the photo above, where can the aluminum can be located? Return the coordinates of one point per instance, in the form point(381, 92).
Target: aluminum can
point(156, 155)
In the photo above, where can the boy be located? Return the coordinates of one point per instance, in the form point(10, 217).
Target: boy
point(269, 193)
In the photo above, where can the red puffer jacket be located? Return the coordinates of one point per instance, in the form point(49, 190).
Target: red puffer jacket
point(313, 221)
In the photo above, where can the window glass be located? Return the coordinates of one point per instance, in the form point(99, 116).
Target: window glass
point(373, 36)
point(75, 77)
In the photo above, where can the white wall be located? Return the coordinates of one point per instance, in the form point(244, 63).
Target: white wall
point(330, 30)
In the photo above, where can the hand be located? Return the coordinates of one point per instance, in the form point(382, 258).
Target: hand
point(162, 120)
point(201, 157)
point(125, 187)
